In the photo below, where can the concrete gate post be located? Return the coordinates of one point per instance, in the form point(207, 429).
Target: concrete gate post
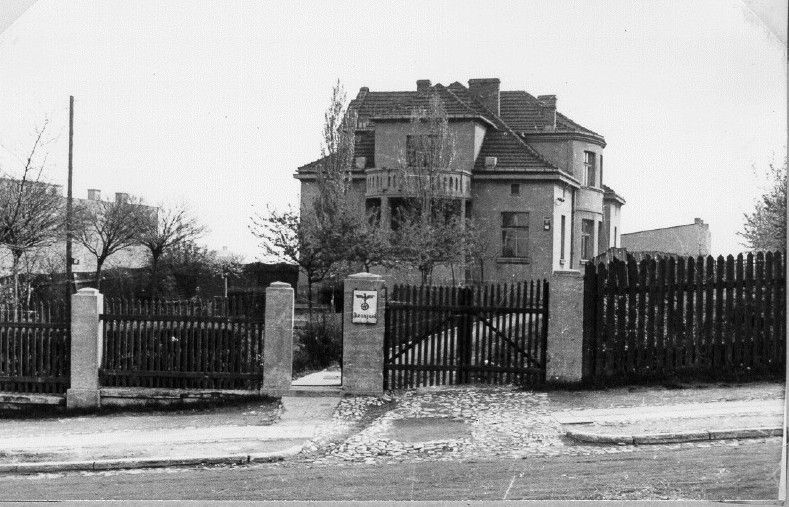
point(86, 341)
point(565, 328)
point(278, 340)
point(363, 340)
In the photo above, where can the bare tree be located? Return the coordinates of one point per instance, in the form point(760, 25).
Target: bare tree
point(296, 240)
point(106, 227)
point(30, 209)
point(174, 226)
point(324, 238)
point(430, 228)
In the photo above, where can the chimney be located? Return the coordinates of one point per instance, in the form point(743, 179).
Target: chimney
point(698, 221)
point(94, 194)
point(486, 92)
point(121, 197)
point(423, 85)
point(549, 110)
point(363, 91)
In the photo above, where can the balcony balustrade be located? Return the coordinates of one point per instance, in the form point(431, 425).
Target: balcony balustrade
point(398, 183)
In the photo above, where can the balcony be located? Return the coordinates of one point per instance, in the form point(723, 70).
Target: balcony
point(398, 183)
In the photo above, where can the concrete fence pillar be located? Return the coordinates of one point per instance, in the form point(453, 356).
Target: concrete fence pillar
point(363, 335)
point(278, 340)
point(565, 328)
point(86, 338)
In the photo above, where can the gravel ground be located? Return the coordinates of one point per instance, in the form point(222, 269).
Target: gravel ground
point(468, 423)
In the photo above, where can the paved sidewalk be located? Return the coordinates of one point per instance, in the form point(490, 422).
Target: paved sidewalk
point(685, 422)
point(327, 377)
point(162, 439)
point(441, 423)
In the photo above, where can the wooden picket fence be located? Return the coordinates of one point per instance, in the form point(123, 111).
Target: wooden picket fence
point(209, 344)
point(492, 334)
point(35, 348)
point(692, 317)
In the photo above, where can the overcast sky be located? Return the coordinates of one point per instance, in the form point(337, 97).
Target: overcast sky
point(217, 103)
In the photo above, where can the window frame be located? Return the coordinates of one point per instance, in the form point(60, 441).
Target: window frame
point(590, 166)
point(517, 230)
point(420, 148)
point(562, 241)
point(587, 240)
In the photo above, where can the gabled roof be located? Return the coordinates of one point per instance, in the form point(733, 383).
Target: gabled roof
point(383, 105)
point(526, 113)
point(519, 114)
point(364, 146)
point(610, 195)
point(510, 152)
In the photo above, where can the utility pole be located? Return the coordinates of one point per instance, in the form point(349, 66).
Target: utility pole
point(69, 210)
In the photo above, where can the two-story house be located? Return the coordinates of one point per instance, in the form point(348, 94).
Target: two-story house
point(530, 176)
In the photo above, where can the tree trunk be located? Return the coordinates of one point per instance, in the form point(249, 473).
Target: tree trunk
point(97, 281)
point(153, 284)
point(15, 257)
point(309, 299)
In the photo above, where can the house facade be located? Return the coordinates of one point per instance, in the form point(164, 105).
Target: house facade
point(530, 177)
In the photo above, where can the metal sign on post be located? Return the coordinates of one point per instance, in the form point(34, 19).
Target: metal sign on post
point(365, 306)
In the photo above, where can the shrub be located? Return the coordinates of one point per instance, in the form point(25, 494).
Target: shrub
point(318, 344)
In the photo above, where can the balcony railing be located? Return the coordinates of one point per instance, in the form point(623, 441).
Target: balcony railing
point(391, 182)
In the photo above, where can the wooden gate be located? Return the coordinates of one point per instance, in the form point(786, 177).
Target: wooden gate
point(491, 334)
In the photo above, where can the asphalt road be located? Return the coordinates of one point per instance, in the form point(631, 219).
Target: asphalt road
point(749, 470)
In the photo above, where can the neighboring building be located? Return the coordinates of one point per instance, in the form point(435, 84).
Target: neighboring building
point(51, 259)
point(531, 176)
point(685, 240)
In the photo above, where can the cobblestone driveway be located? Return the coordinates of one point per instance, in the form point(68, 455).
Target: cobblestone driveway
point(462, 423)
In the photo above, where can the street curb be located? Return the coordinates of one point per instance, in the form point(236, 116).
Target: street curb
point(136, 463)
point(673, 438)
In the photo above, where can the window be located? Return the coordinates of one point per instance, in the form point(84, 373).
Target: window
point(515, 235)
point(614, 237)
point(601, 247)
point(589, 169)
point(420, 150)
point(561, 251)
point(601, 169)
point(587, 232)
point(515, 189)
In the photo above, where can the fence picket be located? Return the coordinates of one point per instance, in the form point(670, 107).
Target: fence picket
point(720, 317)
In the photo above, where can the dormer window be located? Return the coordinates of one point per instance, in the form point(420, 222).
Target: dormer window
point(590, 169)
point(362, 122)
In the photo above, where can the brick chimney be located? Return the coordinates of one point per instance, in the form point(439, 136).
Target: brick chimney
point(549, 110)
point(121, 196)
point(94, 194)
point(423, 85)
point(363, 91)
point(486, 92)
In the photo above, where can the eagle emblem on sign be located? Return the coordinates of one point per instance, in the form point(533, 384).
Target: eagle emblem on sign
point(364, 297)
